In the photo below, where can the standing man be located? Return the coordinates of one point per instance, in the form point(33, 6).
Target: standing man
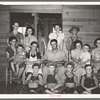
point(15, 33)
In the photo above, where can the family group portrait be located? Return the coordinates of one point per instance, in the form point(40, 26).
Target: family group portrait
point(50, 49)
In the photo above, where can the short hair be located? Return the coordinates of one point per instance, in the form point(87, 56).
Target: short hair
point(34, 42)
point(12, 38)
point(69, 63)
point(36, 64)
point(78, 41)
point(87, 45)
point(88, 65)
point(54, 40)
point(95, 42)
point(29, 27)
point(52, 64)
point(74, 27)
point(20, 45)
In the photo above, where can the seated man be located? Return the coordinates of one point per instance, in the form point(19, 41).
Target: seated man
point(55, 55)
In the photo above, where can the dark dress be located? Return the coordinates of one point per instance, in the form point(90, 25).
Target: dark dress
point(68, 90)
point(40, 89)
point(19, 36)
point(89, 82)
point(11, 53)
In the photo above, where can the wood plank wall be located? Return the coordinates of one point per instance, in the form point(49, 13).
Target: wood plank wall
point(87, 17)
point(4, 29)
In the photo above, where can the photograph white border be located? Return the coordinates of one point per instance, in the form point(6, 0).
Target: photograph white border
point(44, 96)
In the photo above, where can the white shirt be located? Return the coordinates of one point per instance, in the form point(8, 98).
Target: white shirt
point(85, 56)
point(59, 37)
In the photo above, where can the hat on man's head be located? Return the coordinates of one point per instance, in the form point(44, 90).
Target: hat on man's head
point(74, 27)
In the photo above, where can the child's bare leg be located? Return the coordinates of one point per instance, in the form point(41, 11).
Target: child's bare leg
point(20, 72)
point(12, 67)
point(17, 69)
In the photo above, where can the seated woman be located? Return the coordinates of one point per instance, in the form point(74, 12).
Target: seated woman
point(11, 51)
point(69, 80)
point(34, 80)
point(53, 82)
point(89, 83)
point(32, 57)
point(19, 61)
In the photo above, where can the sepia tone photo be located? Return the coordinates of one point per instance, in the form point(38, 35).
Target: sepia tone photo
point(49, 49)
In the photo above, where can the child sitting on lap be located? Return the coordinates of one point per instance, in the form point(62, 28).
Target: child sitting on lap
point(19, 61)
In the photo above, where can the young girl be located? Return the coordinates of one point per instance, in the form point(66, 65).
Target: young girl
point(34, 80)
point(53, 82)
point(19, 61)
point(69, 80)
point(29, 37)
point(89, 83)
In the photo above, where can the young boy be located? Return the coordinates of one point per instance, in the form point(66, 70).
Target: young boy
point(53, 82)
point(69, 80)
point(89, 83)
point(19, 60)
point(35, 80)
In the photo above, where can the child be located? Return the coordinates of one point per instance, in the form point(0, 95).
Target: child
point(85, 56)
point(34, 80)
point(69, 80)
point(19, 61)
point(53, 82)
point(89, 83)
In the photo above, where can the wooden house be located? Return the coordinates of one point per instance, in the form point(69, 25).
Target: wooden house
point(87, 17)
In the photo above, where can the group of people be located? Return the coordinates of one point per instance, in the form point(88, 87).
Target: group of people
point(65, 66)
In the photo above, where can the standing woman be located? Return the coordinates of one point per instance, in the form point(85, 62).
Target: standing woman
point(96, 55)
point(72, 39)
point(75, 57)
point(16, 34)
point(29, 37)
point(58, 35)
point(41, 42)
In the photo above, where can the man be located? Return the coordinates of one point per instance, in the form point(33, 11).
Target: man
point(15, 33)
point(56, 56)
point(58, 35)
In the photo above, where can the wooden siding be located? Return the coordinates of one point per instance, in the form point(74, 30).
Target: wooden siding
point(4, 29)
point(87, 17)
point(36, 8)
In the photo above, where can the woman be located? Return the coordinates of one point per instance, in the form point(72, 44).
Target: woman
point(75, 56)
point(29, 37)
point(16, 34)
point(32, 57)
point(58, 35)
point(96, 55)
point(11, 51)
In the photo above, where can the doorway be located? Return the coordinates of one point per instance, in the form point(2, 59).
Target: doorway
point(47, 22)
point(24, 20)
